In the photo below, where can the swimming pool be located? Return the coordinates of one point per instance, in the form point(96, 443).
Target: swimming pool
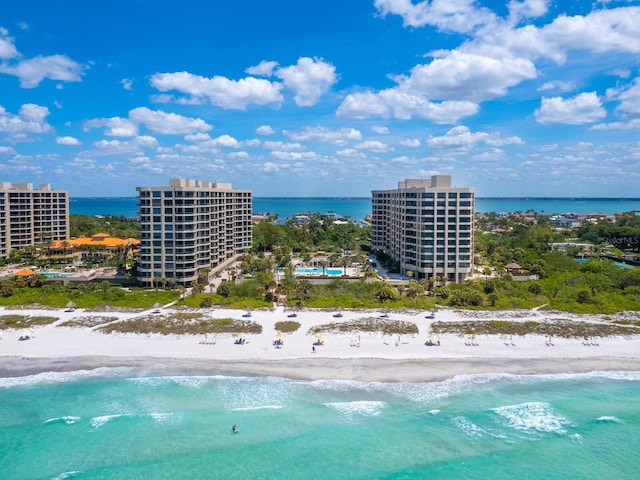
point(58, 275)
point(318, 271)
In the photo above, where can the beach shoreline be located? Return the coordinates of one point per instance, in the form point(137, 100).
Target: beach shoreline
point(349, 369)
point(358, 356)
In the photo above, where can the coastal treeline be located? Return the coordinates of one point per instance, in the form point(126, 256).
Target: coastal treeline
point(516, 267)
point(316, 233)
point(623, 233)
point(114, 226)
point(557, 279)
point(37, 290)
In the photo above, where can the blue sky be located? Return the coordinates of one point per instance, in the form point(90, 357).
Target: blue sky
point(331, 98)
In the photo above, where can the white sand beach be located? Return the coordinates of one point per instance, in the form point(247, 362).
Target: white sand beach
point(360, 356)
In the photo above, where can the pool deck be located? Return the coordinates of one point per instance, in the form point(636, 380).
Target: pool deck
point(318, 272)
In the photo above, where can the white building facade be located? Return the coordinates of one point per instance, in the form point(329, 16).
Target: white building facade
point(31, 216)
point(190, 227)
point(427, 226)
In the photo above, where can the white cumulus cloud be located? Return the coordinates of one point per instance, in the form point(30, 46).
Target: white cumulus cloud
point(67, 141)
point(310, 78)
point(323, 134)
point(374, 146)
point(167, 123)
point(522, 9)
point(630, 98)
point(30, 119)
point(264, 68)
point(458, 75)
point(155, 120)
point(115, 126)
point(461, 16)
point(6, 150)
point(556, 85)
point(127, 83)
point(265, 130)
point(363, 105)
point(284, 146)
point(462, 137)
point(404, 106)
point(54, 67)
point(410, 142)
point(221, 91)
point(7, 48)
point(225, 141)
point(583, 108)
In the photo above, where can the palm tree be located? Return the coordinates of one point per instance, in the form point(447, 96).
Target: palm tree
point(64, 244)
point(323, 262)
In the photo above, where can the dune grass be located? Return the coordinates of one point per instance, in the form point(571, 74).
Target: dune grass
point(369, 325)
point(182, 324)
point(24, 321)
point(566, 328)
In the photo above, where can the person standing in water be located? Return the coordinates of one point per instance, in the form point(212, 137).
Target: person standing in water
point(233, 428)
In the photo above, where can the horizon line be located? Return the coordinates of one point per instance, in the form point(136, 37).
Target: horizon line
point(368, 198)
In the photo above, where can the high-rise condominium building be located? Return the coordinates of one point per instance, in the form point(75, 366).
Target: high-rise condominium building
point(31, 216)
point(191, 227)
point(427, 226)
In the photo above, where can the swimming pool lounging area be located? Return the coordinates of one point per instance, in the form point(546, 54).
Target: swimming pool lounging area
point(331, 271)
point(327, 272)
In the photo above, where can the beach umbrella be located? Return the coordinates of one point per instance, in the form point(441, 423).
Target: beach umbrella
point(157, 305)
point(25, 272)
point(71, 305)
point(320, 337)
point(280, 335)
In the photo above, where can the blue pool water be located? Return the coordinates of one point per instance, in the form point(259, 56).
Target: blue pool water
point(318, 271)
point(58, 275)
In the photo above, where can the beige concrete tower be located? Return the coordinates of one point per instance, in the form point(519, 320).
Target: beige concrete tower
point(427, 226)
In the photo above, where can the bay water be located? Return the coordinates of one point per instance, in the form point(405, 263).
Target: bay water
point(359, 208)
point(161, 423)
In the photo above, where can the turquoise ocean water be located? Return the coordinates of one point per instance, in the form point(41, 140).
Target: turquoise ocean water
point(358, 208)
point(161, 424)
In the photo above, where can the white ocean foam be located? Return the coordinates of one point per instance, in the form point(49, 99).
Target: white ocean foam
point(68, 420)
point(65, 377)
point(609, 419)
point(532, 417)
point(190, 381)
point(256, 392)
point(576, 438)
point(362, 407)
point(631, 376)
point(64, 475)
point(434, 412)
point(460, 384)
point(258, 407)
point(468, 428)
point(97, 422)
point(161, 417)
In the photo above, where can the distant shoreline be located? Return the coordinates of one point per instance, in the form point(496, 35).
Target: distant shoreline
point(608, 199)
point(359, 207)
